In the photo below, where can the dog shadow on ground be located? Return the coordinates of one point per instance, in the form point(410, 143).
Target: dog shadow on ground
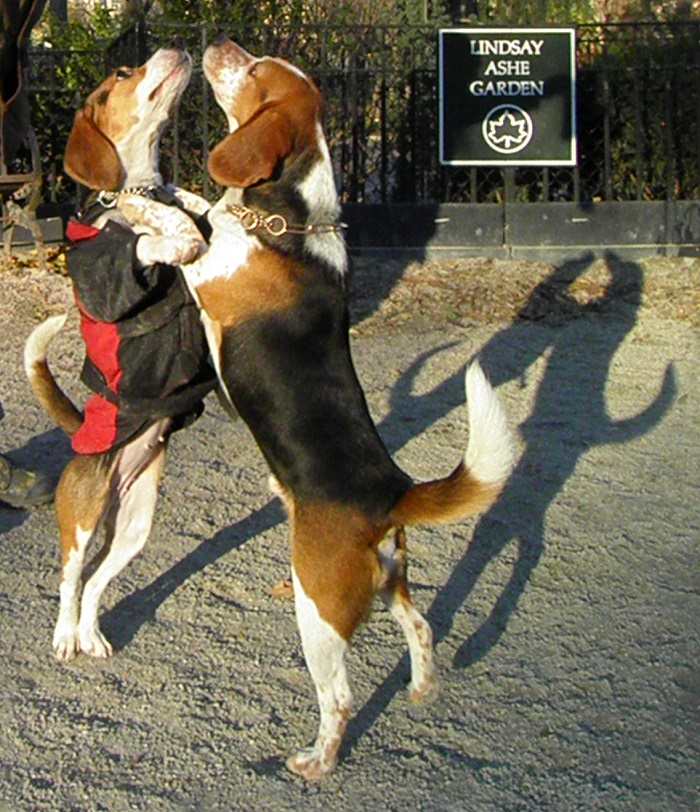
point(122, 622)
point(569, 417)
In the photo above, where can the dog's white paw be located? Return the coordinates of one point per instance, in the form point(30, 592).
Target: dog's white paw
point(310, 764)
point(426, 692)
point(66, 643)
point(94, 643)
point(170, 250)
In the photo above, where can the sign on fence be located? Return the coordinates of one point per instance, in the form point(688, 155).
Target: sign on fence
point(507, 97)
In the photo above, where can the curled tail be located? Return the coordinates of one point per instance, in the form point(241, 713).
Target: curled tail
point(55, 403)
point(477, 481)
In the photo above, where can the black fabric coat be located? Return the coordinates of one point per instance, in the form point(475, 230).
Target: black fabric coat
point(146, 351)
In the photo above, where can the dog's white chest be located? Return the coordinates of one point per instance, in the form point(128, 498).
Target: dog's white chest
point(229, 251)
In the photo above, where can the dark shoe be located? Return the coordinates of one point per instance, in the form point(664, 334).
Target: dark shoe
point(23, 489)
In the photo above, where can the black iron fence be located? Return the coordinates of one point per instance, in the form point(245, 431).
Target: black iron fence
point(638, 100)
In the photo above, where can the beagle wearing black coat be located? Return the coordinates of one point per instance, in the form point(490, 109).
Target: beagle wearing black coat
point(146, 352)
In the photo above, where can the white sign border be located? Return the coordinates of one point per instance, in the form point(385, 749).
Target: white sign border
point(571, 161)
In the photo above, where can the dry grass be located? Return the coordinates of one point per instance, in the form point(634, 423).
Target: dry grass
point(499, 291)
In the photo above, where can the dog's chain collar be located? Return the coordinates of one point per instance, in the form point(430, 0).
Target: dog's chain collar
point(109, 199)
point(276, 225)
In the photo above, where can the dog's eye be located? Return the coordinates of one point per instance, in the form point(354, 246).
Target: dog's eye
point(122, 73)
point(253, 69)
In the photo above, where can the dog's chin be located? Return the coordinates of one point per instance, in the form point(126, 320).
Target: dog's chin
point(172, 86)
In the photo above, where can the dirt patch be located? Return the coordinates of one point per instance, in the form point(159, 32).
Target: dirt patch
point(492, 291)
point(389, 293)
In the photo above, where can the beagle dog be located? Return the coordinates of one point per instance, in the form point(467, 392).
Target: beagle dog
point(272, 288)
point(128, 268)
point(114, 145)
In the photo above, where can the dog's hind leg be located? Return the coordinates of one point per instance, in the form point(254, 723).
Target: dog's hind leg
point(81, 499)
point(127, 527)
point(324, 651)
point(74, 542)
point(419, 635)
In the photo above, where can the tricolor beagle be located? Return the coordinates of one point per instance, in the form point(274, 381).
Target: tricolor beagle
point(131, 300)
point(272, 289)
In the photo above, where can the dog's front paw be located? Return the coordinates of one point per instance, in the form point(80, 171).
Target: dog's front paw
point(191, 201)
point(169, 250)
point(94, 643)
point(310, 764)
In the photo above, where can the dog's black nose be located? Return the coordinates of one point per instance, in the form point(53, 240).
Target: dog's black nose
point(220, 39)
point(179, 43)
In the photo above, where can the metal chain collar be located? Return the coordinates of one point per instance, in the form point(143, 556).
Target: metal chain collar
point(276, 225)
point(109, 199)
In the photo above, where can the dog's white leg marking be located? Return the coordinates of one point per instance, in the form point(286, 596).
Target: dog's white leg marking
point(65, 637)
point(130, 527)
point(419, 635)
point(324, 651)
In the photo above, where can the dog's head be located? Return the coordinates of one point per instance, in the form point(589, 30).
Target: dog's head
point(114, 139)
point(273, 111)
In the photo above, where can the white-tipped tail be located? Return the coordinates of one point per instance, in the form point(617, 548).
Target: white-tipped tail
point(491, 450)
point(476, 482)
point(59, 408)
point(37, 346)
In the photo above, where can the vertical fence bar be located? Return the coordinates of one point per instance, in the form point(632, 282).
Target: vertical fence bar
point(668, 139)
point(354, 156)
point(384, 157)
point(342, 78)
point(508, 175)
point(413, 122)
point(639, 140)
point(577, 184)
point(580, 44)
point(607, 157)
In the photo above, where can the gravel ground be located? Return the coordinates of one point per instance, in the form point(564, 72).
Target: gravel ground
point(566, 618)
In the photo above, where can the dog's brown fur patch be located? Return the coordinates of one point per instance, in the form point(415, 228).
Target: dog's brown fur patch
point(268, 282)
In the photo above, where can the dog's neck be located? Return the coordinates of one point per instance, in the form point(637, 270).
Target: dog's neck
point(318, 187)
point(318, 191)
point(140, 157)
point(315, 192)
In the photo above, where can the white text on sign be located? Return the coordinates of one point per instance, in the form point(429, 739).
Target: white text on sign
point(506, 67)
point(506, 47)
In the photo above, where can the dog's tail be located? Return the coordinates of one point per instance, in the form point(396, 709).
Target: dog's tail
point(478, 480)
point(56, 404)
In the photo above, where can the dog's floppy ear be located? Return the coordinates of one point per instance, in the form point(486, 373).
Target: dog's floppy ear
point(91, 158)
point(252, 152)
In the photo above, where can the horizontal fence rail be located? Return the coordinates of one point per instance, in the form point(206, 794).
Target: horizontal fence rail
point(638, 113)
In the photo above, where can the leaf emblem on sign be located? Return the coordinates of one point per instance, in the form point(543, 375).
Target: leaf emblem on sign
point(507, 130)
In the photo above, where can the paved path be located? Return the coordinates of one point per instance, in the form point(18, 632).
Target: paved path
point(566, 618)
